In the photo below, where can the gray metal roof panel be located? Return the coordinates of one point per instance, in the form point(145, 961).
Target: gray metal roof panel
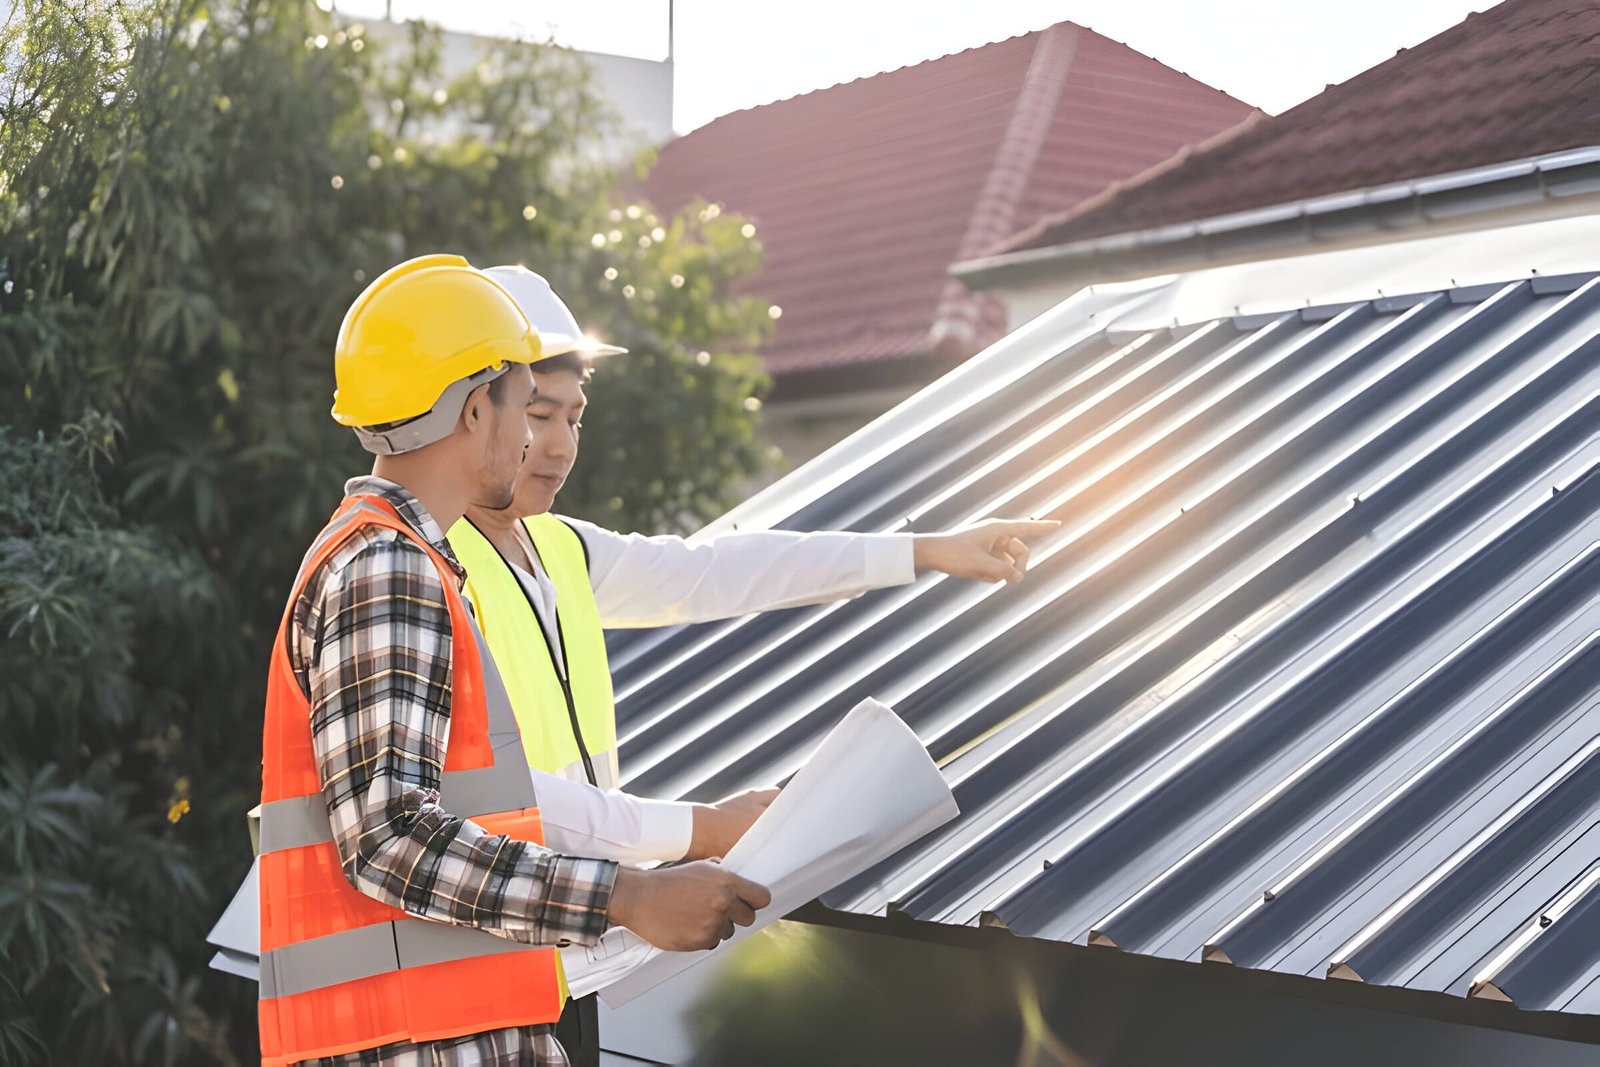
point(1553, 963)
point(1303, 682)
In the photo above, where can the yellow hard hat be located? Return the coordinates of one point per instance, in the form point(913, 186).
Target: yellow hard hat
point(421, 327)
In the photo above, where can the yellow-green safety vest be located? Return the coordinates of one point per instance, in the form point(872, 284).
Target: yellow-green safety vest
point(569, 726)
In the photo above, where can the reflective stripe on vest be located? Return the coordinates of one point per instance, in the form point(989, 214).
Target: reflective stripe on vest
point(297, 822)
point(340, 971)
point(367, 951)
point(519, 645)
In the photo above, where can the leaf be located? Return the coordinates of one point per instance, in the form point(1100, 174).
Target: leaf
point(39, 817)
point(20, 1039)
point(189, 269)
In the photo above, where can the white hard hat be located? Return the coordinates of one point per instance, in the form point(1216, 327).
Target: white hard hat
point(557, 329)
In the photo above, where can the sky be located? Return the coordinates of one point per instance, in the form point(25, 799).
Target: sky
point(733, 54)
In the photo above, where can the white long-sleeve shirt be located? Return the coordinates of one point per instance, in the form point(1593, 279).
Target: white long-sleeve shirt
point(644, 581)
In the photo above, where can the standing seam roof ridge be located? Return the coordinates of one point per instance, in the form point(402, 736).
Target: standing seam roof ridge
point(1510, 290)
point(1386, 933)
point(1279, 930)
point(959, 309)
point(1516, 973)
point(1436, 345)
point(1473, 422)
point(1299, 777)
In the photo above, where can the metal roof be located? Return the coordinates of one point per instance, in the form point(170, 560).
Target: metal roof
point(1308, 679)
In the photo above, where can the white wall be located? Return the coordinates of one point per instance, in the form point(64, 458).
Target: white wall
point(640, 90)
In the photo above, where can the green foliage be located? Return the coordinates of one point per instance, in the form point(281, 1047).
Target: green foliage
point(190, 196)
point(677, 395)
point(96, 886)
point(671, 433)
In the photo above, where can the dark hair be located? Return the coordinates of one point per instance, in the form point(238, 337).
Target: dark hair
point(572, 362)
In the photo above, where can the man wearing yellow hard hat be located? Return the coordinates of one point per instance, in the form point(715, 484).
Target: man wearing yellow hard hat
point(409, 907)
point(545, 586)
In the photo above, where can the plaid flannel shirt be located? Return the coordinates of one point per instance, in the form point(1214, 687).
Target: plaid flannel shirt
point(370, 643)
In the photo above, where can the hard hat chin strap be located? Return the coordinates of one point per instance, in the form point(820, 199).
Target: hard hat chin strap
point(435, 424)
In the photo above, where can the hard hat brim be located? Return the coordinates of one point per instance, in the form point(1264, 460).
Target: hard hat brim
point(559, 344)
point(555, 344)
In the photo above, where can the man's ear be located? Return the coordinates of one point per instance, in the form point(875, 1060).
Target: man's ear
point(475, 412)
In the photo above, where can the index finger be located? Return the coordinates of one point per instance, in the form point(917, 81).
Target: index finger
point(1030, 529)
point(757, 896)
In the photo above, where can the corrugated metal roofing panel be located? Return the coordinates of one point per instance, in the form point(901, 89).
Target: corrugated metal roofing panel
point(1306, 681)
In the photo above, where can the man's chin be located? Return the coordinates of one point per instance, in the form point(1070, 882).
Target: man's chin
point(541, 504)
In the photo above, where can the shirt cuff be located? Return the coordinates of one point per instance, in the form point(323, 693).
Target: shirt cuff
point(666, 828)
point(576, 900)
point(891, 560)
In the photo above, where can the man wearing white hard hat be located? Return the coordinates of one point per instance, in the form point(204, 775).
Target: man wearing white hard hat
point(545, 588)
point(406, 907)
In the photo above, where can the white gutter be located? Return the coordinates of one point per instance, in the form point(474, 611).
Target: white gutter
point(1417, 189)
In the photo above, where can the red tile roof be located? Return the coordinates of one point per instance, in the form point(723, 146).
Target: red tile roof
point(865, 193)
point(1520, 80)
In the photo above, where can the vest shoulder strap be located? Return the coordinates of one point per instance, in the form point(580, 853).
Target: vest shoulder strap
point(561, 550)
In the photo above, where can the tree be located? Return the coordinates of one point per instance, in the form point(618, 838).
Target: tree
point(671, 433)
point(95, 886)
point(190, 196)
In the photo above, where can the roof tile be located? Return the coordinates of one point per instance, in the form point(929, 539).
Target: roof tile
point(1517, 81)
point(865, 193)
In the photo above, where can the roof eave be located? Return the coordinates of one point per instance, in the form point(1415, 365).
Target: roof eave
point(1397, 205)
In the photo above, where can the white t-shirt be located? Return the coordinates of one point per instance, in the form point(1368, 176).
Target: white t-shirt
point(644, 581)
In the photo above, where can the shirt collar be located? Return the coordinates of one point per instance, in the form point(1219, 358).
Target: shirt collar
point(410, 509)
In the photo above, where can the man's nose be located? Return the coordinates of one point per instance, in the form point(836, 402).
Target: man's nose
point(561, 446)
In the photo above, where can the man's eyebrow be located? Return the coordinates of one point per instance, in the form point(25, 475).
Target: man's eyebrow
point(546, 398)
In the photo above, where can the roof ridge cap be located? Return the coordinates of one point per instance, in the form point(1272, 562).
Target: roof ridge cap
point(958, 310)
point(1018, 241)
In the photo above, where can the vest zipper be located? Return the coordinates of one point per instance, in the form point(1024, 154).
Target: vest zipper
point(565, 673)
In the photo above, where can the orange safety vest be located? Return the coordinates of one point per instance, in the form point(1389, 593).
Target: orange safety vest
point(340, 971)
